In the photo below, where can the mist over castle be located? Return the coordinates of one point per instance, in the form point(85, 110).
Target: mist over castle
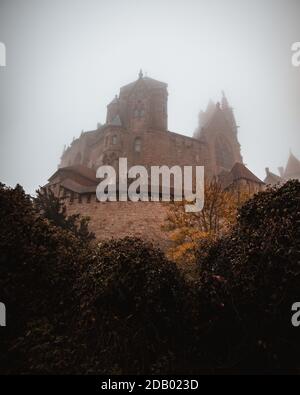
point(149, 190)
point(136, 127)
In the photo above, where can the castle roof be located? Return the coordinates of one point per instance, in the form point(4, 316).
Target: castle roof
point(80, 170)
point(149, 82)
point(292, 168)
point(238, 172)
point(76, 187)
point(272, 179)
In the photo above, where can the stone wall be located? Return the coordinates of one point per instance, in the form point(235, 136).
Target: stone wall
point(121, 219)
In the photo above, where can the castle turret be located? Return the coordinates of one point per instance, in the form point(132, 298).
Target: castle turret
point(144, 103)
point(217, 127)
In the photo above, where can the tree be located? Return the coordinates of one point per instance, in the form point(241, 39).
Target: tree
point(248, 281)
point(216, 218)
point(54, 209)
point(39, 263)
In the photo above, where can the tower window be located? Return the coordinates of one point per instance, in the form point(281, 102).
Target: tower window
point(114, 140)
point(139, 110)
point(137, 145)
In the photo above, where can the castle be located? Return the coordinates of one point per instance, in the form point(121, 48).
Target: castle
point(136, 127)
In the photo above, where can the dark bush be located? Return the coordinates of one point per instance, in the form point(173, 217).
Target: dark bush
point(54, 209)
point(132, 309)
point(248, 283)
point(39, 263)
point(74, 308)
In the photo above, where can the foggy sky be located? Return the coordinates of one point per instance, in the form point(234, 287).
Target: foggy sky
point(66, 59)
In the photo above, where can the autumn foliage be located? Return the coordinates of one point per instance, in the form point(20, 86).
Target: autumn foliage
point(189, 230)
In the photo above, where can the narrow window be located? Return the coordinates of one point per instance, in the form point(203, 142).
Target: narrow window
point(137, 145)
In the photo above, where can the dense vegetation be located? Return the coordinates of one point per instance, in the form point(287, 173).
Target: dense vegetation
point(122, 307)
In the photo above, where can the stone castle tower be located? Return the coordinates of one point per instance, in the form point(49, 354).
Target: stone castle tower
point(141, 106)
point(217, 127)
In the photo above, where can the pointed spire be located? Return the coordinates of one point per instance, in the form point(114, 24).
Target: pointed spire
point(292, 169)
point(225, 103)
point(141, 74)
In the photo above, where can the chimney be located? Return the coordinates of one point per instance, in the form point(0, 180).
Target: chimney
point(267, 171)
point(281, 171)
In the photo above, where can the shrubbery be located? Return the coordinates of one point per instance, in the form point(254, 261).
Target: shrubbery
point(248, 282)
point(132, 308)
point(39, 263)
point(122, 307)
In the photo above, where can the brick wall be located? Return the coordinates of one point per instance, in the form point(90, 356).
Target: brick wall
point(120, 219)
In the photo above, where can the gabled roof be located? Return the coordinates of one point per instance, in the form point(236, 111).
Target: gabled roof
point(240, 171)
point(81, 170)
point(74, 186)
point(272, 179)
point(292, 168)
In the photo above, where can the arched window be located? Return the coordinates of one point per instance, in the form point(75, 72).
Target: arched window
point(114, 140)
point(139, 109)
point(137, 145)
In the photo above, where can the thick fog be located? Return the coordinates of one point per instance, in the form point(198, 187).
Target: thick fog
point(66, 59)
